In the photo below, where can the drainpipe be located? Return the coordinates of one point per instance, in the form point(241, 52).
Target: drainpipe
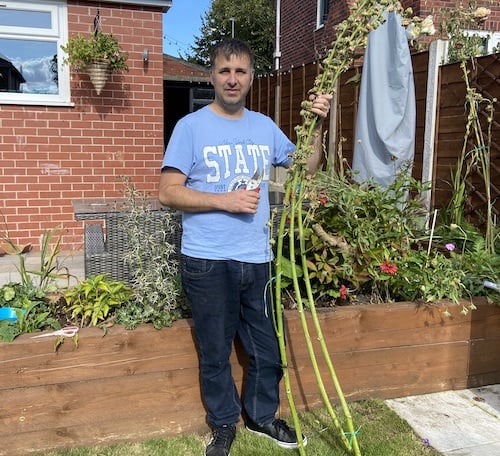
point(277, 52)
point(278, 174)
point(277, 57)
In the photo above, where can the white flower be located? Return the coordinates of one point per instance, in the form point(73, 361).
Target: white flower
point(412, 32)
point(427, 26)
point(482, 13)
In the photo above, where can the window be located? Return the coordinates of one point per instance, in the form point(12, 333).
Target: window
point(31, 67)
point(490, 40)
point(322, 13)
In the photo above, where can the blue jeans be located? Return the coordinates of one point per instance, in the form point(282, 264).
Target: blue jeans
point(227, 300)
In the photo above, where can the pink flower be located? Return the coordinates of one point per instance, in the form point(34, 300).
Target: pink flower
point(343, 292)
point(388, 267)
point(323, 199)
point(450, 247)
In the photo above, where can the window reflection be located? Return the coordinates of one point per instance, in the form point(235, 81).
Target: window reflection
point(24, 18)
point(28, 66)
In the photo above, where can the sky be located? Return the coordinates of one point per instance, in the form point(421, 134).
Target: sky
point(181, 23)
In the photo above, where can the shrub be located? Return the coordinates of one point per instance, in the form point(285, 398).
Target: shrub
point(151, 256)
point(368, 242)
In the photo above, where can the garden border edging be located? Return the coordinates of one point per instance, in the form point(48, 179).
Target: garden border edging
point(133, 385)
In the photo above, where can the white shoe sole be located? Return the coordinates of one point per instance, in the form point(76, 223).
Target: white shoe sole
point(286, 445)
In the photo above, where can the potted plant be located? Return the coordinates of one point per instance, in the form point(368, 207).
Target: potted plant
point(98, 55)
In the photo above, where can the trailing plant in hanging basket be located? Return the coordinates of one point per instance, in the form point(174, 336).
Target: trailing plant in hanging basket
point(82, 50)
point(98, 55)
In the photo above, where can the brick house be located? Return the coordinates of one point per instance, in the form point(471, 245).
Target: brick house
point(60, 140)
point(307, 25)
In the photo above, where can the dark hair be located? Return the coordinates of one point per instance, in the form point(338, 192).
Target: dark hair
point(230, 47)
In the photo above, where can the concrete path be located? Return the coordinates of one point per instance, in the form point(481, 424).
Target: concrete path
point(455, 423)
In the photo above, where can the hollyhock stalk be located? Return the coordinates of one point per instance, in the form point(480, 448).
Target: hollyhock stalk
point(351, 36)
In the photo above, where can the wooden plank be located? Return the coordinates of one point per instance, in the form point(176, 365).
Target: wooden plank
point(369, 327)
point(101, 411)
point(384, 373)
point(119, 353)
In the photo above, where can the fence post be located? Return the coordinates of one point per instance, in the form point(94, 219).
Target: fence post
point(437, 55)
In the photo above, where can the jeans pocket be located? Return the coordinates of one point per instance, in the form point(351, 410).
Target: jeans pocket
point(196, 267)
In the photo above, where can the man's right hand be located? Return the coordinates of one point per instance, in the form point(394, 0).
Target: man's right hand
point(242, 201)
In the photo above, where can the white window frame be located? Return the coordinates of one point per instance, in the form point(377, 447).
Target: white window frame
point(493, 41)
point(58, 33)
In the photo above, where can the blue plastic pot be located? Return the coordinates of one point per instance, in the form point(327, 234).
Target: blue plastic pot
point(8, 313)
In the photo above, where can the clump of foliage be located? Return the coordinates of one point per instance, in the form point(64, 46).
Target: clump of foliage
point(32, 310)
point(151, 256)
point(41, 302)
point(32, 297)
point(459, 25)
point(93, 299)
point(80, 50)
point(373, 243)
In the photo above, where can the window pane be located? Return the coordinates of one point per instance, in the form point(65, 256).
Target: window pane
point(28, 66)
point(23, 18)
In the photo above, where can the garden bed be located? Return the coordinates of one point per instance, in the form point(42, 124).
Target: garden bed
point(132, 385)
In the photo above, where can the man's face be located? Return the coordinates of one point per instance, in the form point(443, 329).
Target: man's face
point(232, 80)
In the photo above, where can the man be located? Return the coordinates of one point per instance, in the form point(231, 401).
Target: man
point(210, 159)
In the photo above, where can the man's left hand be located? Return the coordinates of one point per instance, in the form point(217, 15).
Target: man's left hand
point(321, 104)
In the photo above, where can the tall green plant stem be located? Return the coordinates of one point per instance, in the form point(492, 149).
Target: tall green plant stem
point(319, 333)
point(351, 36)
point(482, 151)
point(464, 48)
point(479, 157)
point(296, 421)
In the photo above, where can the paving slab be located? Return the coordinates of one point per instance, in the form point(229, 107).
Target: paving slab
point(72, 262)
point(455, 423)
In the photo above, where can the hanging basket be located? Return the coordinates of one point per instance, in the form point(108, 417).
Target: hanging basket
point(99, 72)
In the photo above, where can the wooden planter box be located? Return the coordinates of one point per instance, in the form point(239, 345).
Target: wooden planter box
point(132, 385)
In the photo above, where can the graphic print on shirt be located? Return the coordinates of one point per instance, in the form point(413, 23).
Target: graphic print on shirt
point(237, 162)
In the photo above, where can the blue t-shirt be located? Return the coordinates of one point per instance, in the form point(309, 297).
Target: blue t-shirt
point(220, 155)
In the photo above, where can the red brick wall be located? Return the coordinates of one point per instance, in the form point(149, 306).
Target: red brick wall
point(52, 155)
point(302, 43)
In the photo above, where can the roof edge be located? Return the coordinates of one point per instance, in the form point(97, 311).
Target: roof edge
point(164, 4)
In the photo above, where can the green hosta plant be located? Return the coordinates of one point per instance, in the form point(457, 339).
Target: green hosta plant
point(95, 298)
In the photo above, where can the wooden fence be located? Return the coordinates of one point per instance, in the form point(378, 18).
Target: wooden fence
point(279, 96)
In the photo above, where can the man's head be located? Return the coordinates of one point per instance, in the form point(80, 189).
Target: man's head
point(232, 76)
point(230, 47)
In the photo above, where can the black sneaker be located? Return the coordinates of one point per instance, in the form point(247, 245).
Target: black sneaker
point(278, 431)
point(221, 441)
